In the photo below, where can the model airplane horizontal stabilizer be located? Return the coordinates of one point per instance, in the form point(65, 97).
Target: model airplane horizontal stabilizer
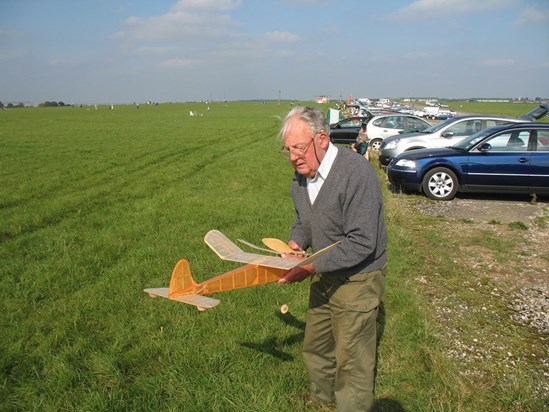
point(201, 302)
point(259, 270)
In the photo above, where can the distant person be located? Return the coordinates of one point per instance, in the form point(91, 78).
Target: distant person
point(337, 198)
point(362, 144)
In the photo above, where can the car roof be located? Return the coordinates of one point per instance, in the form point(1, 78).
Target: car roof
point(486, 116)
point(377, 116)
point(525, 125)
point(509, 126)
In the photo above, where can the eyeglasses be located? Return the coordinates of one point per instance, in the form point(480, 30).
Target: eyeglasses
point(296, 150)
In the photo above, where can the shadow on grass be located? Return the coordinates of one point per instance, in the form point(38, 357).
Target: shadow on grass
point(389, 405)
point(271, 345)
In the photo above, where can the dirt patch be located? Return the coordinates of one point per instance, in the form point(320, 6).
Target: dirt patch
point(493, 209)
point(503, 239)
point(519, 230)
point(505, 217)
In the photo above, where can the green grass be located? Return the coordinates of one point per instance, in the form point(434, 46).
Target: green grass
point(96, 205)
point(511, 109)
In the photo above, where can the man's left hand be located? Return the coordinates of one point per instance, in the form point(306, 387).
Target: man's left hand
point(298, 274)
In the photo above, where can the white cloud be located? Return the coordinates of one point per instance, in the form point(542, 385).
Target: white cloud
point(64, 62)
point(178, 63)
point(496, 63)
point(424, 9)
point(187, 19)
point(282, 36)
point(533, 15)
point(418, 55)
point(153, 51)
point(208, 5)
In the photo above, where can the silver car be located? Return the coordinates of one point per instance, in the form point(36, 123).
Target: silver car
point(386, 125)
point(449, 132)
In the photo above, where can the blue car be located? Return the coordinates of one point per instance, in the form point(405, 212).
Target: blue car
point(512, 158)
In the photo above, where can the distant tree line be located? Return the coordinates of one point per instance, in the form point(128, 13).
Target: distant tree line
point(10, 105)
point(51, 104)
point(19, 105)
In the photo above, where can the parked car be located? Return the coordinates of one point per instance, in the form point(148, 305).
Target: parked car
point(346, 130)
point(444, 114)
point(511, 158)
point(386, 125)
point(449, 132)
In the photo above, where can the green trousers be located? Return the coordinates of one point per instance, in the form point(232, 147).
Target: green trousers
point(340, 339)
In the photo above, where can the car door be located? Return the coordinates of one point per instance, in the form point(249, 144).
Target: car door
point(501, 162)
point(539, 174)
point(346, 131)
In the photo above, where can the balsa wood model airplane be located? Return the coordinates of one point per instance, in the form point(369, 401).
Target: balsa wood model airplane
point(259, 270)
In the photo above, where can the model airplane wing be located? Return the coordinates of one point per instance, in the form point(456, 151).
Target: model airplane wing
point(259, 270)
point(227, 250)
point(276, 246)
point(258, 247)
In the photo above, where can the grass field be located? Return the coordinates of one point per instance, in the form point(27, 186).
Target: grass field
point(96, 205)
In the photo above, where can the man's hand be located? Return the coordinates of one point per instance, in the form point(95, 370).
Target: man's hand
point(298, 274)
point(299, 251)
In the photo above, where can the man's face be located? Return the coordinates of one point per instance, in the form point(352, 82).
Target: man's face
point(306, 149)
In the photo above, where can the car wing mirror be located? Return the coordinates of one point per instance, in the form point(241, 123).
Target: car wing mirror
point(447, 134)
point(485, 147)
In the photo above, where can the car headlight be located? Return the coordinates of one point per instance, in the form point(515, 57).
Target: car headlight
point(392, 144)
point(406, 164)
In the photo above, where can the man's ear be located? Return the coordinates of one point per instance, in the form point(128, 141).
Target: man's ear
point(324, 139)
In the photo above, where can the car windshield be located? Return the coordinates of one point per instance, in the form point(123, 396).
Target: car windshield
point(469, 142)
point(436, 127)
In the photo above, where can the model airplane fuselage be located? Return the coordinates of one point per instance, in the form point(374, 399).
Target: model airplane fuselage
point(258, 270)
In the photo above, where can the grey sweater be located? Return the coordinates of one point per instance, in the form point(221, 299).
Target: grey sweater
point(348, 208)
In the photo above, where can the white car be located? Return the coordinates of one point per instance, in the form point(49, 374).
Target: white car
point(386, 125)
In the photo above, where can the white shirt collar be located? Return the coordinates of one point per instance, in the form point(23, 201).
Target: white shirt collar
point(314, 185)
point(327, 162)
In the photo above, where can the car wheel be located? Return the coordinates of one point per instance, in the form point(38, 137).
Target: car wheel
point(440, 184)
point(375, 144)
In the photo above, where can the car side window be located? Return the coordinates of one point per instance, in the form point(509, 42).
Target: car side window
point(499, 142)
point(390, 123)
point(415, 124)
point(518, 141)
point(543, 141)
point(515, 141)
point(351, 123)
point(465, 128)
point(379, 122)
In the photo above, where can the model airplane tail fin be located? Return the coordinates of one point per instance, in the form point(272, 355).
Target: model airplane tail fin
point(182, 279)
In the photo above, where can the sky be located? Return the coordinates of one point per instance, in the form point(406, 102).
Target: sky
point(125, 51)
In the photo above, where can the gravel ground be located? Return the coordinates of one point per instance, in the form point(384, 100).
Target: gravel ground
point(525, 289)
point(531, 300)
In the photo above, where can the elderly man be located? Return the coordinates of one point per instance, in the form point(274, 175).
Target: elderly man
point(337, 197)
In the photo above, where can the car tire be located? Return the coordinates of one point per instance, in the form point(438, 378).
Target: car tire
point(375, 144)
point(440, 183)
